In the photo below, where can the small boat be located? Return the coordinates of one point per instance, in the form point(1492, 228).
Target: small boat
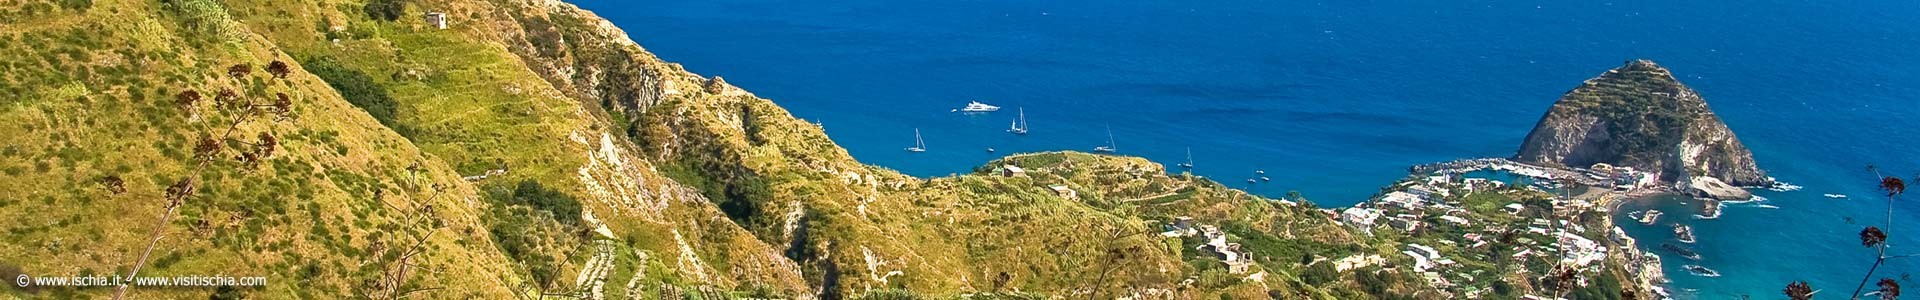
point(1701, 271)
point(1019, 125)
point(989, 149)
point(1264, 178)
point(919, 145)
point(976, 106)
point(1263, 172)
point(1682, 251)
point(1835, 196)
point(1109, 148)
point(1649, 217)
point(1250, 180)
point(1189, 163)
point(1683, 233)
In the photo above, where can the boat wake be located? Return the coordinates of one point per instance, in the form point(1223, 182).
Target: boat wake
point(1836, 196)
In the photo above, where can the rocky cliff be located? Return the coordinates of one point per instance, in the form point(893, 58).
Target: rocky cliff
point(1638, 115)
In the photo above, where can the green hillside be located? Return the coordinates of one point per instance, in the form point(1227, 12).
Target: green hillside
point(531, 149)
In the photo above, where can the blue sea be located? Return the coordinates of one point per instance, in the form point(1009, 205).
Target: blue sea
point(1336, 98)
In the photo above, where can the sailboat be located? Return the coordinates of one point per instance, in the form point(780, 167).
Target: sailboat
point(1019, 125)
point(1189, 163)
point(919, 145)
point(1109, 148)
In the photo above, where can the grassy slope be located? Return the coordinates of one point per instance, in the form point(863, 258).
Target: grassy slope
point(90, 96)
point(470, 102)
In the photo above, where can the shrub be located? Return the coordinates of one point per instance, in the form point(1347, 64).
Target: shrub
point(519, 234)
point(1320, 274)
point(890, 294)
point(544, 36)
point(207, 17)
point(358, 89)
point(563, 208)
point(79, 5)
point(386, 10)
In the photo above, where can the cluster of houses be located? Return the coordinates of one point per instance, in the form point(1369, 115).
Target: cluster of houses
point(1238, 260)
point(1404, 209)
point(1433, 201)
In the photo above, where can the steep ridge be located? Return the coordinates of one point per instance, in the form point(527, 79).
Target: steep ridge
point(1640, 116)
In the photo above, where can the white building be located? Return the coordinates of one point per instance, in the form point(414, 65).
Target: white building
point(1580, 250)
point(1064, 192)
point(1359, 216)
point(437, 19)
point(1423, 250)
point(1012, 171)
point(1420, 263)
point(1427, 193)
point(1404, 200)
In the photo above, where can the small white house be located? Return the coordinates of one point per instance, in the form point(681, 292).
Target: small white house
point(1064, 192)
point(437, 20)
point(1012, 171)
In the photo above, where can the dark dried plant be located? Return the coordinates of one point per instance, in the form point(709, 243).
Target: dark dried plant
point(267, 144)
point(282, 107)
point(239, 71)
point(1893, 186)
point(227, 99)
point(187, 99)
point(114, 184)
point(279, 69)
point(1872, 236)
point(1889, 289)
point(1799, 290)
point(180, 190)
point(248, 160)
point(207, 147)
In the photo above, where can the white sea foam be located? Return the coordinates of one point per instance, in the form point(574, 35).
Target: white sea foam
point(1782, 186)
point(1755, 198)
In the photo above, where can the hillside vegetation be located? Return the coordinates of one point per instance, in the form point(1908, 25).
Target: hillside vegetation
point(532, 149)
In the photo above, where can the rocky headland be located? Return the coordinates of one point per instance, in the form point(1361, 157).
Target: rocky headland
point(1640, 117)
